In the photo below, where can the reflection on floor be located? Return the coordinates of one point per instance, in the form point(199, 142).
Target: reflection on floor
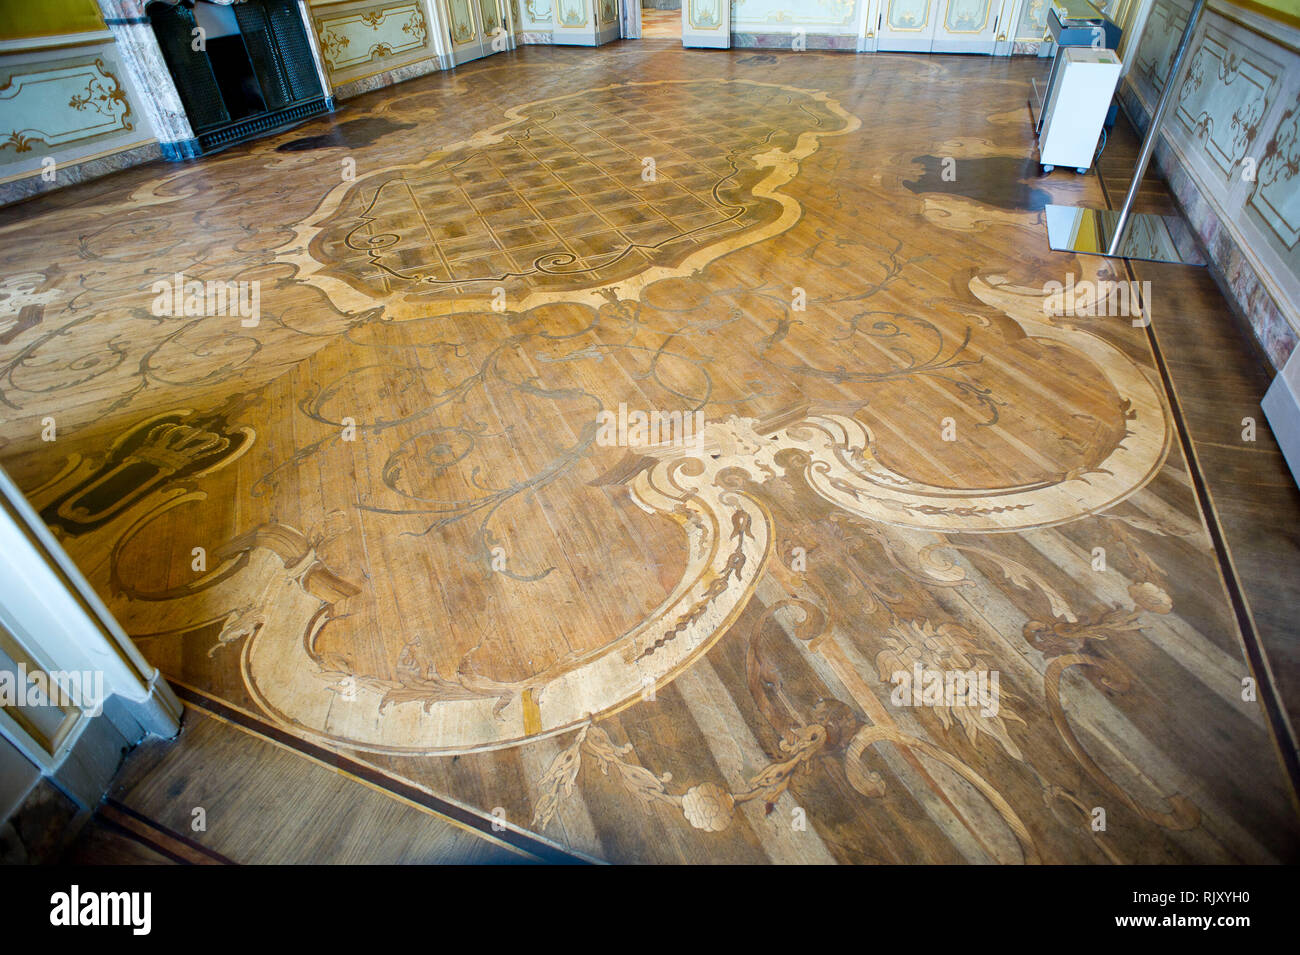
point(661, 24)
point(914, 569)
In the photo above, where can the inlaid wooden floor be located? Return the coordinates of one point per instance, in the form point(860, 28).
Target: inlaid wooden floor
point(221, 794)
point(388, 522)
point(661, 24)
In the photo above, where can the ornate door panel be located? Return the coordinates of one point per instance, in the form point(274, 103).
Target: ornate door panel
point(463, 30)
point(608, 25)
point(908, 25)
point(706, 23)
point(966, 26)
point(472, 27)
point(575, 22)
point(489, 17)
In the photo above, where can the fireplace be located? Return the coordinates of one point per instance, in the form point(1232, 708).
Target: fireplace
point(240, 68)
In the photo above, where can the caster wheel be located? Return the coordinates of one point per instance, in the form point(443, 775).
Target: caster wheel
point(1047, 168)
point(1082, 170)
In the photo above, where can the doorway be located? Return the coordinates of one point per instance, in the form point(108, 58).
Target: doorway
point(661, 19)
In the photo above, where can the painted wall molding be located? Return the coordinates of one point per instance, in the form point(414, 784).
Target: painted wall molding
point(61, 41)
point(1230, 148)
point(54, 103)
point(360, 37)
point(536, 16)
point(71, 113)
point(813, 16)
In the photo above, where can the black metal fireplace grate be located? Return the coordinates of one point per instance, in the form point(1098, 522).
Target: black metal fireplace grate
point(243, 84)
point(262, 123)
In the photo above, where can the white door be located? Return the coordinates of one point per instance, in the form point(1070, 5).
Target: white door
point(967, 26)
point(907, 25)
point(609, 22)
point(476, 29)
point(706, 23)
point(631, 17)
point(575, 23)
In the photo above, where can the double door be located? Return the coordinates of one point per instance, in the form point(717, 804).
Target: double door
point(478, 28)
point(916, 26)
point(589, 22)
point(938, 26)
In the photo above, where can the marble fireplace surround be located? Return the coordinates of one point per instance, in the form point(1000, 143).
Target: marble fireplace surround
point(157, 114)
point(134, 34)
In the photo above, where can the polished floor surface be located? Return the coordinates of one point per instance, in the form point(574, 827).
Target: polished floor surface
point(661, 24)
point(406, 519)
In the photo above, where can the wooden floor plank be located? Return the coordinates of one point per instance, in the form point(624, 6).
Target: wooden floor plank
point(260, 803)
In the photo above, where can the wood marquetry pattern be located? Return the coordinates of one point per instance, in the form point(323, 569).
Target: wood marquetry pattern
point(419, 554)
point(560, 198)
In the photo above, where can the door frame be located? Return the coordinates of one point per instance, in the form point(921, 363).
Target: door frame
point(57, 623)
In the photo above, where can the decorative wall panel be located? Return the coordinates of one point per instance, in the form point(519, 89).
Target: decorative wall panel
point(578, 23)
point(1155, 54)
point(537, 15)
point(55, 103)
point(1227, 91)
point(373, 37)
point(1033, 20)
point(489, 16)
point(572, 13)
point(461, 21)
point(967, 16)
point(1276, 199)
point(812, 16)
point(1231, 154)
point(705, 14)
point(908, 14)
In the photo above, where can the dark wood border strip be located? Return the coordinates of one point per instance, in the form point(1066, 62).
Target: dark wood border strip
point(541, 849)
point(149, 832)
point(1279, 729)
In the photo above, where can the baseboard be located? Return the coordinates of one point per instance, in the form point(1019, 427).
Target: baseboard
point(831, 42)
point(346, 89)
point(71, 173)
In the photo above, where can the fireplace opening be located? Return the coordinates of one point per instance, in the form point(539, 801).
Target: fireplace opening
point(241, 69)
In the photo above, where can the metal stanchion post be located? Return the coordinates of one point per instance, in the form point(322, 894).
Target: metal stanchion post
point(1125, 234)
point(1153, 128)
